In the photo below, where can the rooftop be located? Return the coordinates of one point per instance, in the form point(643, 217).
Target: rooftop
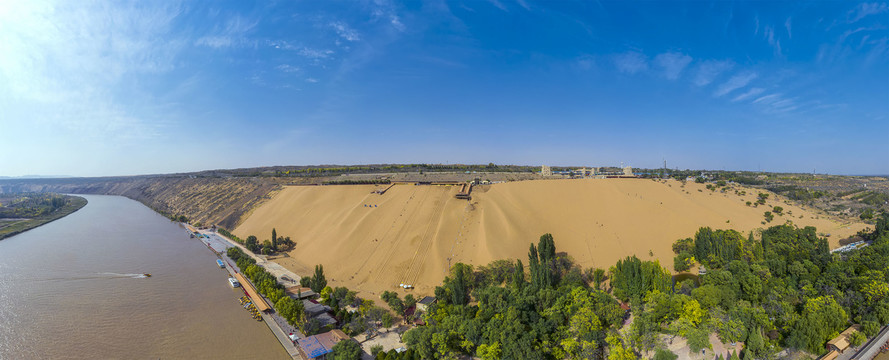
point(426, 300)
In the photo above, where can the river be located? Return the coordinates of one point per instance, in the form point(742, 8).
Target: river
point(73, 289)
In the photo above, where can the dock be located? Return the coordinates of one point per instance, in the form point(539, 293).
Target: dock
point(218, 245)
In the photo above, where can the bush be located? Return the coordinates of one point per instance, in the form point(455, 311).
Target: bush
point(346, 350)
point(376, 349)
point(664, 354)
point(683, 261)
point(856, 339)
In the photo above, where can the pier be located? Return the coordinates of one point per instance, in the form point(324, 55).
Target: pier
point(219, 244)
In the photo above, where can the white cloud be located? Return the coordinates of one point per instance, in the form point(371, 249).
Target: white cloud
point(750, 93)
point(311, 80)
point(215, 42)
point(315, 53)
point(288, 68)
point(498, 4)
point(787, 26)
point(344, 31)
point(523, 4)
point(735, 82)
point(631, 62)
point(672, 63)
point(80, 59)
point(768, 99)
point(385, 10)
point(866, 9)
point(233, 33)
point(709, 70)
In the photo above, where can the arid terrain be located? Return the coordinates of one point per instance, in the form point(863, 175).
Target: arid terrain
point(411, 233)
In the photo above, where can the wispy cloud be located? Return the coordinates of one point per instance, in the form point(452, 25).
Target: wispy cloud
point(631, 62)
point(787, 26)
point(498, 4)
point(772, 39)
point(768, 99)
point(233, 33)
point(311, 80)
point(866, 9)
point(776, 104)
point(344, 31)
point(73, 58)
point(735, 82)
point(288, 68)
point(709, 70)
point(384, 10)
point(315, 53)
point(586, 62)
point(750, 93)
point(672, 63)
point(523, 4)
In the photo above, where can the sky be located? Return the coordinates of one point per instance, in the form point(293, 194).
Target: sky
point(99, 88)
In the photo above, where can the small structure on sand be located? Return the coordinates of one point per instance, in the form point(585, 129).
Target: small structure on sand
point(425, 302)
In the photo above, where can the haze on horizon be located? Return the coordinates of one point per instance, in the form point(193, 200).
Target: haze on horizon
point(119, 88)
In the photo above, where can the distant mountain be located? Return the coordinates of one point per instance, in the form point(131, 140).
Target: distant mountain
point(37, 177)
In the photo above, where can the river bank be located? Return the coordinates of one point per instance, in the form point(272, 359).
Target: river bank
point(74, 203)
point(218, 244)
point(73, 289)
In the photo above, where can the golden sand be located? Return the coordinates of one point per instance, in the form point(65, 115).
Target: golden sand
point(412, 233)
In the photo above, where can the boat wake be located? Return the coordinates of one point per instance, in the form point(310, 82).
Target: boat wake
point(131, 276)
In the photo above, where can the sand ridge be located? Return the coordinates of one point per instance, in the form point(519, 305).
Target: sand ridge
point(411, 234)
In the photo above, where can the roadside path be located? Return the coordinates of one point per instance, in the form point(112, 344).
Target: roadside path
point(219, 245)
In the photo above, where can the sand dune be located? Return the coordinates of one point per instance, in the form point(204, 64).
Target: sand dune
point(414, 232)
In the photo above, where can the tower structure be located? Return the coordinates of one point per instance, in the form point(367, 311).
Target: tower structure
point(546, 171)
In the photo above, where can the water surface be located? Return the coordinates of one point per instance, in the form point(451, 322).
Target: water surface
point(73, 289)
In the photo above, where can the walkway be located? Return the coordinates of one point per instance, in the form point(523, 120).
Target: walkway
point(218, 245)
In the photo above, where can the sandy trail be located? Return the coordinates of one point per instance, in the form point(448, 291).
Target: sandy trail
point(372, 242)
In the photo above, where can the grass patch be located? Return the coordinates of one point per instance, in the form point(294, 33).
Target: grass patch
point(10, 228)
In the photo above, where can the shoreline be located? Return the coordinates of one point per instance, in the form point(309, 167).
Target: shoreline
point(230, 267)
point(77, 203)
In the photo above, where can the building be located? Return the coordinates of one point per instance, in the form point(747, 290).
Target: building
point(841, 342)
point(299, 293)
point(258, 301)
point(546, 171)
point(318, 346)
point(424, 303)
point(319, 312)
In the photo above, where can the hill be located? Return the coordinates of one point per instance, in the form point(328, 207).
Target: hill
point(412, 233)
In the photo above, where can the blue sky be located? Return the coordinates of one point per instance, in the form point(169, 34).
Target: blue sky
point(114, 88)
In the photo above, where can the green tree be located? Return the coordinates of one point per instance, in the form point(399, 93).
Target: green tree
point(346, 350)
point(518, 275)
point(251, 244)
point(617, 350)
point(376, 349)
point(856, 339)
point(683, 246)
point(318, 281)
point(274, 240)
point(683, 261)
point(664, 354)
point(489, 352)
point(632, 278)
point(821, 318)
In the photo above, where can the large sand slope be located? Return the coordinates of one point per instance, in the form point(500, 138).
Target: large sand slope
point(413, 231)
